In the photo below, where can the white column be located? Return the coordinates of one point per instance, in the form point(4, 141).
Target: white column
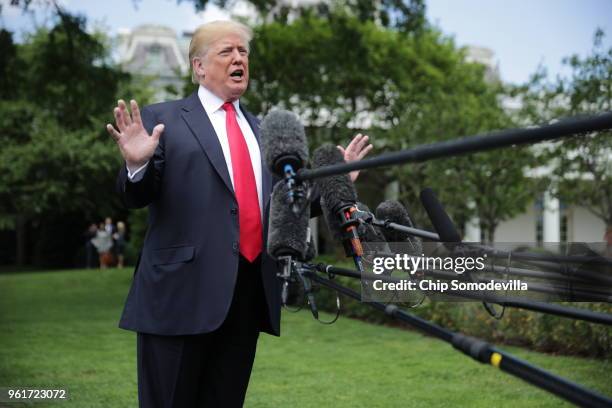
point(472, 227)
point(392, 190)
point(472, 230)
point(552, 218)
point(314, 232)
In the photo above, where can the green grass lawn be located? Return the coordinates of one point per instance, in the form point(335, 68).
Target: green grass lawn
point(59, 329)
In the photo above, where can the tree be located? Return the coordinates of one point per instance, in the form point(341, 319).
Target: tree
point(407, 16)
point(57, 163)
point(582, 165)
point(10, 66)
point(406, 90)
point(457, 101)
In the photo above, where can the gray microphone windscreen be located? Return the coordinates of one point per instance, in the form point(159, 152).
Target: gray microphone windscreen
point(283, 141)
point(287, 231)
point(336, 191)
point(394, 211)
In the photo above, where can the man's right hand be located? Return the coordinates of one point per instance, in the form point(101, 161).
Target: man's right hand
point(135, 144)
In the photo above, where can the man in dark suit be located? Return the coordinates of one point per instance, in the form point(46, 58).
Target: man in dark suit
point(204, 286)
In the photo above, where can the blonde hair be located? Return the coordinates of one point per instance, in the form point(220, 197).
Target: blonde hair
point(206, 34)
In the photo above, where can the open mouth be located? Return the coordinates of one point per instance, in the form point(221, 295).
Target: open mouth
point(239, 73)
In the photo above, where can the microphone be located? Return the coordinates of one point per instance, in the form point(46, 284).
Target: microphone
point(448, 232)
point(392, 211)
point(288, 235)
point(375, 243)
point(367, 231)
point(283, 142)
point(284, 150)
point(439, 218)
point(338, 200)
point(288, 232)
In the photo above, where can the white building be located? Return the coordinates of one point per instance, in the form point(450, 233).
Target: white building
point(158, 53)
point(486, 57)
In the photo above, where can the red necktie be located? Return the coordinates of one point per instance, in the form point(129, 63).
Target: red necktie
point(249, 216)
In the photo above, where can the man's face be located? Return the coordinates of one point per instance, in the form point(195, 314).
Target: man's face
point(225, 68)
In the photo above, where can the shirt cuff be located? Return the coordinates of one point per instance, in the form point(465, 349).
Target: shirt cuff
point(137, 174)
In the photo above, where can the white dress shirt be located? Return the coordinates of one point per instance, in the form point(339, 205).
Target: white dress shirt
point(213, 105)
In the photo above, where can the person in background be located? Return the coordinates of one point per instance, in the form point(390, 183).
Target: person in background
point(119, 244)
point(103, 242)
point(91, 252)
point(108, 225)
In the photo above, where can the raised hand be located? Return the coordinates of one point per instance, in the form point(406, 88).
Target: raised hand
point(135, 144)
point(356, 150)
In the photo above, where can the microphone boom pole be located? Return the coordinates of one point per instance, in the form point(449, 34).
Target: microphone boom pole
point(470, 144)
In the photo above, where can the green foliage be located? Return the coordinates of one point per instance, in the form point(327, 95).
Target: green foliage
point(66, 66)
point(582, 165)
point(306, 66)
point(10, 66)
point(56, 171)
point(495, 182)
point(53, 124)
point(407, 16)
point(454, 101)
point(336, 70)
point(57, 163)
point(339, 72)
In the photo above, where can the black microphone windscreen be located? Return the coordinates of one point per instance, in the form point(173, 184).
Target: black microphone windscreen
point(287, 231)
point(336, 191)
point(439, 218)
point(283, 141)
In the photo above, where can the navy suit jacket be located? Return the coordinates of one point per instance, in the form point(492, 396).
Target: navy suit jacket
point(185, 276)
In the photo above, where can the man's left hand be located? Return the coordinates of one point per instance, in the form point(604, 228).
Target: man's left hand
point(356, 150)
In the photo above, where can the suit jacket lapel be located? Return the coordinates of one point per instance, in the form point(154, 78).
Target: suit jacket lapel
point(198, 122)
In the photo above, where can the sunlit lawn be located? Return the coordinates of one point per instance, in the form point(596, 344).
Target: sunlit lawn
point(59, 330)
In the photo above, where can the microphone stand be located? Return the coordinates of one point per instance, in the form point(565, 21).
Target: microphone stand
point(506, 301)
point(484, 352)
point(289, 269)
point(580, 287)
point(298, 192)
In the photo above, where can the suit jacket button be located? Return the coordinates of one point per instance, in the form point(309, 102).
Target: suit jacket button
point(235, 247)
point(234, 211)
